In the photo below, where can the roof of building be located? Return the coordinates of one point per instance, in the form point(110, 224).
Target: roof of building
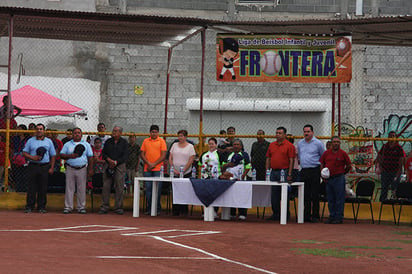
point(170, 31)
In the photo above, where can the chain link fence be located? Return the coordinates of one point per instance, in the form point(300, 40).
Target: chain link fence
point(125, 85)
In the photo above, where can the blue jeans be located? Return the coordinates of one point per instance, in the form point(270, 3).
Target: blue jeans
point(149, 187)
point(276, 193)
point(335, 188)
point(387, 179)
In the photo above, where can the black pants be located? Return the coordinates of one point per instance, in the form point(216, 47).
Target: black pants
point(37, 186)
point(311, 178)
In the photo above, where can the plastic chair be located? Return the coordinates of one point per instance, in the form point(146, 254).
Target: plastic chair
point(365, 189)
point(403, 198)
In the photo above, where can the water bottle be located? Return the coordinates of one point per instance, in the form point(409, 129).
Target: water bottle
point(239, 173)
point(181, 172)
point(162, 171)
point(282, 175)
point(193, 172)
point(268, 175)
point(172, 172)
point(254, 175)
point(215, 173)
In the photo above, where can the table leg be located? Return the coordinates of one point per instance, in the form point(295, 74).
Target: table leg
point(284, 204)
point(301, 204)
point(136, 198)
point(208, 214)
point(225, 213)
point(155, 185)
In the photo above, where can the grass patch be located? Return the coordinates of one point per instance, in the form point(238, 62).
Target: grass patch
point(372, 247)
point(312, 242)
point(402, 232)
point(401, 241)
point(330, 252)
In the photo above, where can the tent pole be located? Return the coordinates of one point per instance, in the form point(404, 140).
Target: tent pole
point(202, 78)
point(7, 148)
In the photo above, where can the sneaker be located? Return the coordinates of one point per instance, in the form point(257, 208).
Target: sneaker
point(43, 211)
point(28, 210)
point(119, 211)
point(67, 211)
point(82, 211)
point(242, 217)
point(102, 211)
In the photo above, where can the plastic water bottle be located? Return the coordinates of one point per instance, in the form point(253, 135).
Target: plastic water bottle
point(193, 172)
point(239, 173)
point(282, 175)
point(162, 171)
point(215, 173)
point(254, 175)
point(268, 175)
point(181, 172)
point(172, 172)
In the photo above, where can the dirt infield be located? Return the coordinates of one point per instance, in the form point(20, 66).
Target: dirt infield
point(92, 243)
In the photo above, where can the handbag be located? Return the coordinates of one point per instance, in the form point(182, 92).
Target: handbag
point(18, 160)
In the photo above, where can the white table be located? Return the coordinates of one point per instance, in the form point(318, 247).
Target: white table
point(136, 193)
point(242, 194)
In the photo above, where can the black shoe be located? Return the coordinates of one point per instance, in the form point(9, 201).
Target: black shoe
point(220, 76)
point(43, 211)
point(233, 77)
point(335, 222)
point(82, 211)
point(315, 220)
point(102, 211)
point(273, 218)
point(307, 220)
point(329, 221)
point(119, 211)
point(67, 211)
point(28, 210)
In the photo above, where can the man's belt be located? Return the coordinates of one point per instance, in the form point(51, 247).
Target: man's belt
point(39, 164)
point(77, 167)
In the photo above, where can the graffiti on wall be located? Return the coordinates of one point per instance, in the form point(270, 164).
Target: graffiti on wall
point(401, 125)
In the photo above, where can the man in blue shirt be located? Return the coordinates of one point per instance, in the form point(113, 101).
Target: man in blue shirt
point(77, 164)
point(310, 149)
point(41, 154)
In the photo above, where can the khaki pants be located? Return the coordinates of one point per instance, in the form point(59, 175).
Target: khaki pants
point(118, 182)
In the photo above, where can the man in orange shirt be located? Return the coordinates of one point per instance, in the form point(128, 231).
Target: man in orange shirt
point(280, 156)
point(153, 152)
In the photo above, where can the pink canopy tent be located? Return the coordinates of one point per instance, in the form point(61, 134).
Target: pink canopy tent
point(35, 102)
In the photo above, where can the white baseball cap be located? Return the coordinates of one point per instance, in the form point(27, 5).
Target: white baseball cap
point(325, 173)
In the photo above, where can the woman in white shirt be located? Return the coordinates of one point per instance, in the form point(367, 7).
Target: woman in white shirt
point(181, 156)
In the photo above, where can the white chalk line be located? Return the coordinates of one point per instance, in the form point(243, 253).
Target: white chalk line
point(73, 229)
point(161, 258)
point(117, 228)
point(214, 255)
point(188, 233)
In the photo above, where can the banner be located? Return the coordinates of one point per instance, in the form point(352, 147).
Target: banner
point(283, 58)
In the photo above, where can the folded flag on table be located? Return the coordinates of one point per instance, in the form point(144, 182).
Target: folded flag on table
point(208, 190)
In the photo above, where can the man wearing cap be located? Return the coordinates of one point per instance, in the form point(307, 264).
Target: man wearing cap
point(41, 154)
point(338, 163)
point(78, 155)
point(115, 153)
point(310, 149)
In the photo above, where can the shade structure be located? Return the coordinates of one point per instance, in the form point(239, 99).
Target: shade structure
point(35, 102)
